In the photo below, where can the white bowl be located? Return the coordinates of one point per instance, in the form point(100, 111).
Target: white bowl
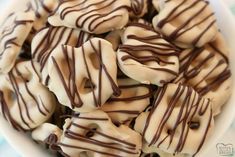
point(27, 148)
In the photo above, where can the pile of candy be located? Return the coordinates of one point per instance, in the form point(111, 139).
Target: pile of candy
point(114, 78)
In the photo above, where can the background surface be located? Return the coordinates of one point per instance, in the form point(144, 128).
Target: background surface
point(228, 138)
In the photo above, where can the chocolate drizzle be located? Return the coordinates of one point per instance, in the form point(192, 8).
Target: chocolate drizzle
point(180, 10)
point(192, 65)
point(7, 115)
point(53, 37)
point(91, 14)
point(134, 98)
point(115, 144)
point(41, 11)
point(19, 85)
point(8, 29)
point(190, 105)
point(158, 48)
point(70, 85)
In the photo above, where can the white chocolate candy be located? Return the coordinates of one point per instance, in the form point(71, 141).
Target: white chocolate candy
point(97, 17)
point(47, 133)
point(207, 71)
point(185, 22)
point(13, 32)
point(133, 100)
point(48, 39)
point(25, 102)
point(83, 78)
point(146, 57)
point(180, 120)
point(93, 135)
point(42, 9)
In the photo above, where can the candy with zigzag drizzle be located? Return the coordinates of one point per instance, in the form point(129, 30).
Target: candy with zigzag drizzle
point(97, 17)
point(13, 32)
point(25, 102)
point(182, 119)
point(134, 98)
point(49, 38)
point(188, 23)
point(42, 9)
point(92, 134)
point(83, 78)
point(206, 69)
point(146, 57)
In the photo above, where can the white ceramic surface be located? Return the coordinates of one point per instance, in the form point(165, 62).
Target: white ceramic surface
point(27, 148)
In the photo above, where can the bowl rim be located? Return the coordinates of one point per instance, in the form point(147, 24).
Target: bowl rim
point(224, 119)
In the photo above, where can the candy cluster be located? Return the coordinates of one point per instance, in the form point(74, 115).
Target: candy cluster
point(114, 78)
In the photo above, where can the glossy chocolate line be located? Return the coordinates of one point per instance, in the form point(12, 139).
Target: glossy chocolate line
point(104, 135)
point(154, 49)
point(92, 118)
point(76, 136)
point(145, 59)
